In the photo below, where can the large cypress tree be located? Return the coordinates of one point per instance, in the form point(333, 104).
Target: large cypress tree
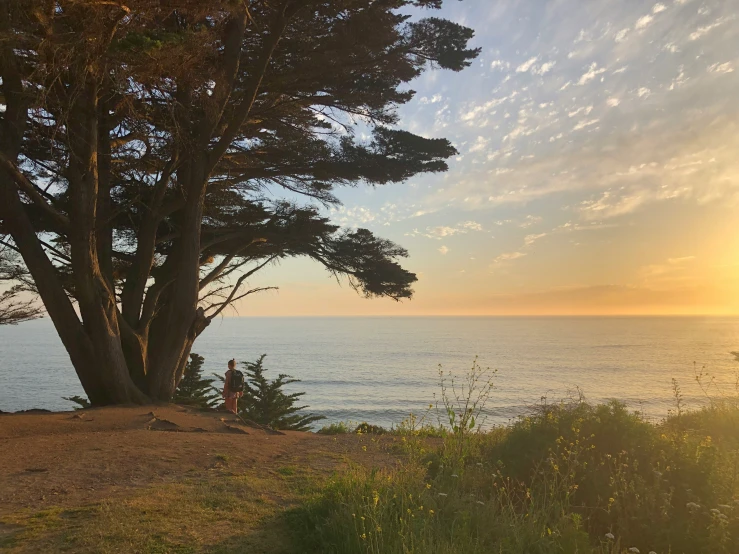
point(143, 142)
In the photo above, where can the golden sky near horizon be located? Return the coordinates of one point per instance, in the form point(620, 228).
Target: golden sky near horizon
point(598, 170)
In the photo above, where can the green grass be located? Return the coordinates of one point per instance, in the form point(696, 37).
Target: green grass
point(562, 480)
point(565, 479)
point(338, 428)
point(568, 478)
point(222, 514)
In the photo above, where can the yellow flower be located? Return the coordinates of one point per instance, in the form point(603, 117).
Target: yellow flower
point(431, 512)
point(428, 485)
point(364, 536)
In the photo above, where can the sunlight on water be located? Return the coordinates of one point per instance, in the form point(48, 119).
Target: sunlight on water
point(379, 369)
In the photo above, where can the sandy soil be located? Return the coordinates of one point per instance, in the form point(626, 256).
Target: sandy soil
point(76, 458)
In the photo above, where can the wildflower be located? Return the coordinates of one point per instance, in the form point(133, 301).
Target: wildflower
point(443, 494)
point(379, 529)
point(455, 476)
point(634, 550)
point(715, 512)
point(610, 536)
point(480, 503)
point(724, 506)
point(722, 517)
point(431, 512)
point(692, 506)
point(479, 464)
point(428, 485)
point(364, 536)
point(364, 448)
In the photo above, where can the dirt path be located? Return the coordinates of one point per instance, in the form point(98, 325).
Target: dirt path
point(55, 463)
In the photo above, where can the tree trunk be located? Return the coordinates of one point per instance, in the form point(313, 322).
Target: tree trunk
point(172, 329)
point(94, 292)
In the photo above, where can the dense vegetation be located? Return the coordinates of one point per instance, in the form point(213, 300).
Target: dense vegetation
point(195, 389)
point(570, 477)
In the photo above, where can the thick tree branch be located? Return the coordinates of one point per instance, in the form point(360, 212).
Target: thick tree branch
point(286, 11)
point(28, 188)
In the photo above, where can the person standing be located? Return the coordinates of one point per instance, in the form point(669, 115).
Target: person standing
point(233, 387)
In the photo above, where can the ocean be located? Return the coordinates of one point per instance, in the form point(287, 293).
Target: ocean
point(379, 369)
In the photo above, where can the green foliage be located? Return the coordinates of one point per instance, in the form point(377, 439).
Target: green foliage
point(194, 390)
point(222, 125)
point(367, 429)
point(265, 401)
point(81, 401)
point(337, 428)
point(570, 477)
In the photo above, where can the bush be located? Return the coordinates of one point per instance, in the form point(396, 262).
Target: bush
point(82, 402)
point(194, 390)
point(568, 478)
point(367, 429)
point(338, 428)
point(266, 403)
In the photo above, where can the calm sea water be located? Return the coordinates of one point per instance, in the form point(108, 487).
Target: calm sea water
point(379, 369)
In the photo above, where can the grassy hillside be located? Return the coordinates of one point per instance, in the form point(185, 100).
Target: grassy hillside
point(568, 478)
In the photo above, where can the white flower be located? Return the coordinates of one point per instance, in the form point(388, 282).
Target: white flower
point(715, 512)
point(610, 536)
point(454, 475)
point(692, 506)
point(722, 516)
point(634, 550)
point(443, 494)
point(724, 506)
point(480, 503)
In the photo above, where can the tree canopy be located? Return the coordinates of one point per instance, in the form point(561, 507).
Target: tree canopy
point(156, 155)
point(15, 306)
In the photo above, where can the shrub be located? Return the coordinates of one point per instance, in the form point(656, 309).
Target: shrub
point(265, 402)
point(81, 401)
point(194, 390)
point(570, 477)
point(337, 428)
point(367, 429)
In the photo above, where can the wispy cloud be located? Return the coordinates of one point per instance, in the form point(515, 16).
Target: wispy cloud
point(508, 256)
point(527, 65)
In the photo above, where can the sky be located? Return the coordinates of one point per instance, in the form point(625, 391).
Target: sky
point(598, 170)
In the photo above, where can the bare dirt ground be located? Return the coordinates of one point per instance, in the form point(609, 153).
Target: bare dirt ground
point(141, 459)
